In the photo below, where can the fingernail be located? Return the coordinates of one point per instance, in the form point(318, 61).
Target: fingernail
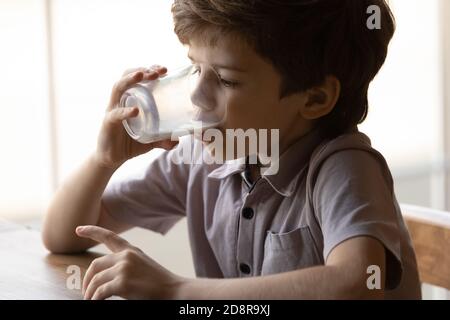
point(80, 229)
point(158, 69)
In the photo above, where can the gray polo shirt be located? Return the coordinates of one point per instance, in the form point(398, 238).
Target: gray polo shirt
point(324, 193)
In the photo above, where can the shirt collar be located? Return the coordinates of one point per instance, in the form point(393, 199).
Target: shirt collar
point(228, 168)
point(290, 165)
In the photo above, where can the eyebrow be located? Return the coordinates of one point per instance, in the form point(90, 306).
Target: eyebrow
point(221, 66)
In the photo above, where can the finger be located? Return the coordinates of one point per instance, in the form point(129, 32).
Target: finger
point(107, 290)
point(134, 70)
point(154, 72)
point(98, 280)
point(96, 266)
point(102, 235)
point(118, 115)
point(128, 81)
point(155, 67)
point(159, 69)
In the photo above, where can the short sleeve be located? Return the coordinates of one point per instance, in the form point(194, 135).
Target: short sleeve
point(153, 198)
point(353, 196)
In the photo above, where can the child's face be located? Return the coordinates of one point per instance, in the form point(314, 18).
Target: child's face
point(234, 78)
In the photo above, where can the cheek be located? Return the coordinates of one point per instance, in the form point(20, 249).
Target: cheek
point(238, 112)
point(250, 111)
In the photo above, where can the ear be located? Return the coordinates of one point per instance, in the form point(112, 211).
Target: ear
point(321, 100)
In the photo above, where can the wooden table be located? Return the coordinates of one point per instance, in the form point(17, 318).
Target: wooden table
point(28, 271)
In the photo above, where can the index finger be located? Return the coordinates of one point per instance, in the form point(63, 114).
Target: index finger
point(132, 77)
point(102, 235)
point(157, 68)
point(125, 83)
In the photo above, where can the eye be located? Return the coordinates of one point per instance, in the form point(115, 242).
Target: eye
point(196, 70)
point(226, 83)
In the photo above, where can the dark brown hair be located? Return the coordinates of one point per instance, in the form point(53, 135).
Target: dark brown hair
point(305, 40)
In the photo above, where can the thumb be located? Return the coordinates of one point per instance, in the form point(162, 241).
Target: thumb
point(117, 115)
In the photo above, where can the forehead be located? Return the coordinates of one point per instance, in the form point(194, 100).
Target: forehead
point(228, 49)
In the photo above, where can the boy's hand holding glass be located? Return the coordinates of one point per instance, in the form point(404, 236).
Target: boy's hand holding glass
point(115, 146)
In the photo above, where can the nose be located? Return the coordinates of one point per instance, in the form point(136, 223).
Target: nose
point(202, 97)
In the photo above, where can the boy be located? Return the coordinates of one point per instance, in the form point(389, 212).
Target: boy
point(326, 225)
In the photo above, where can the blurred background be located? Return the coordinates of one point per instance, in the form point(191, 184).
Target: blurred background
point(60, 58)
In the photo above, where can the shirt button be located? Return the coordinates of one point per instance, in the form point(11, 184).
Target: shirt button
point(245, 268)
point(248, 213)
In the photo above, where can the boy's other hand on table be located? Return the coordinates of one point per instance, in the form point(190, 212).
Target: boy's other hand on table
point(127, 272)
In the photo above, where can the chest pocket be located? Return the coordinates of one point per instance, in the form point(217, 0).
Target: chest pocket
point(289, 251)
